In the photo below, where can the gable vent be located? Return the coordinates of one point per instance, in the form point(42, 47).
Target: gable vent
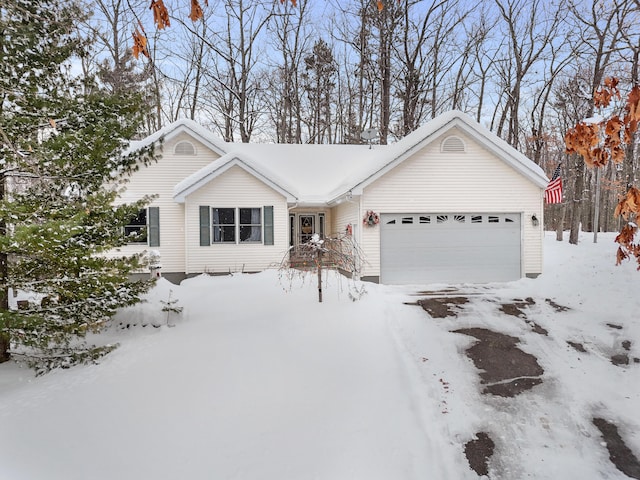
point(184, 148)
point(452, 145)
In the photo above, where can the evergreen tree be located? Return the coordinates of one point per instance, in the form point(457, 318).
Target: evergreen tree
point(63, 154)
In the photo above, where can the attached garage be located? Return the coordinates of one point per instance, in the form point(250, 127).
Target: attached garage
point(418, 248)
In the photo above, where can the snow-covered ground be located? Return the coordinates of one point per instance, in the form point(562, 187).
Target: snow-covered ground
point(258, 381)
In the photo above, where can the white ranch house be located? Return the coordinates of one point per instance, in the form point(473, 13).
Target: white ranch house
point(454, 203)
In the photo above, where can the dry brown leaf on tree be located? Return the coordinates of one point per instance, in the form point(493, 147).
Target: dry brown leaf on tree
point(627, 248)
point(599, 157)
point(627, 234)
point(597, 147)
point(629, 204)
point(196, 11)
point(633, 103)
point(582, 139)
point(139, 44)
point(612, 84)
point(602, 97)
point(160, 14)
point(617, 154)
point(613, 127)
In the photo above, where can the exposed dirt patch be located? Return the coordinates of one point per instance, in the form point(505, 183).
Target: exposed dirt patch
point(442, 307)
point(478, 453)
point(619, 454)
point(515, 308)
point(556, 306)
point(620, 359)
point(512, 388)
point(614, 326)
point(623, 358)
point(578, 346)
point(507, 369)
point(538, 329)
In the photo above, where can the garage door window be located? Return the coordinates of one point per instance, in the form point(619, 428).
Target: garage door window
point(450, 247)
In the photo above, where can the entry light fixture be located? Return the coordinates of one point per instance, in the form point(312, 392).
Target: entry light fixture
point(534, 220)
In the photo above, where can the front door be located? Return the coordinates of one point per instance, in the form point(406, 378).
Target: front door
point(307, 227)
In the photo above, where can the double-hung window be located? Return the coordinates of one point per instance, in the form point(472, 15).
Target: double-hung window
point(224, 225)
point(136, 230)
point(144, 227)
point(236, 225)
point(250, 224)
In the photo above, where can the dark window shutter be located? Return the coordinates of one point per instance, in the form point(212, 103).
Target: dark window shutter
point(268, 225)
point(205, 227)
point(154, 226)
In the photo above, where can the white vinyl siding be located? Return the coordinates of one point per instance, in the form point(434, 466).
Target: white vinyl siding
point(344, 214)
point(436, 181)
point(158, 179)
point(236, 189)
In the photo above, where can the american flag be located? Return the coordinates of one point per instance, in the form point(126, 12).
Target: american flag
point(553, 192)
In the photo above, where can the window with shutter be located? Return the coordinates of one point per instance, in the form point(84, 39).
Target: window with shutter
point(136, 229)
point(268, 225)
point(205, 226)
point(154, 226)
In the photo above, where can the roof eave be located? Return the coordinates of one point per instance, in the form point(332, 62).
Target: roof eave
point(189, 127)
point(475, 131)
point(181, 195)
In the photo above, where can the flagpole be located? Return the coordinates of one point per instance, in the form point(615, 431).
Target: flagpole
point(596, 213)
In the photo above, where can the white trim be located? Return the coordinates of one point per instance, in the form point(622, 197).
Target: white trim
point(217, 168)
point(187, 248)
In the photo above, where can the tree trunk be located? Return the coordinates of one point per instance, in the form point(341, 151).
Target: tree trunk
point(576, 211)
point(319, 267)
point(5, 341)
point(560, 224)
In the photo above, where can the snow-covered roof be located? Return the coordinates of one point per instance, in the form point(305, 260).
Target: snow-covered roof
point(398, 152)
point(205, 175)
point(320, 174)
point(183, 125)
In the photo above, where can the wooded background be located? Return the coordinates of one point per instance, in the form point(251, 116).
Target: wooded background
point(324, 71)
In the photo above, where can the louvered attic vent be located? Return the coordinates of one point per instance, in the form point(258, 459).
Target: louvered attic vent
point(453, 145)
point(185, 148)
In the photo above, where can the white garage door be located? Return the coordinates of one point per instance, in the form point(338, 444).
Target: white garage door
point(449, 248)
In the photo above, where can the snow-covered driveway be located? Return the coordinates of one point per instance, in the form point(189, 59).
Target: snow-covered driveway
point(260, 382)
point(254, 382)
